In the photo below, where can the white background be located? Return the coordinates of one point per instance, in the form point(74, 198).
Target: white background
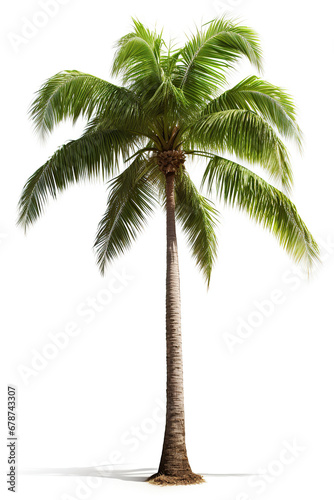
point(243, 403)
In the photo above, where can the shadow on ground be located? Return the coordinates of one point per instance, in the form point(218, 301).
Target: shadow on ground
point(113, 472)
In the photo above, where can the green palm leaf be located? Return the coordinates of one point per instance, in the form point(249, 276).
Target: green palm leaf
point(243, 189)
point(131, 199)
point(270, 101)
point(198, 219)
point(137, 59)
point(167, 105)
point(93, 155)
point(70, 94)
point(245, 134)
point(210, 54)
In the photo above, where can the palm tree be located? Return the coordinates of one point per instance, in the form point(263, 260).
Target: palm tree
point(173, 105)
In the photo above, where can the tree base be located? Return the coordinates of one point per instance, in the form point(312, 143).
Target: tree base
point(163, 480)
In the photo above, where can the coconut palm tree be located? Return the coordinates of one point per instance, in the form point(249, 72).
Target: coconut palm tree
point(173, 105)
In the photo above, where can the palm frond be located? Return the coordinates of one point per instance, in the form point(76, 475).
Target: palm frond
point(131, 199)
point(270, 101)
point(137, 59)
point(245, 134)
point(169, 60)
point(167, 103)
point(93, 155)
point(211, 53)
point(198, 219)
point(71, 94)
point(243, 189)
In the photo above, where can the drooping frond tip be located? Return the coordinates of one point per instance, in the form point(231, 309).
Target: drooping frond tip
point(265, 204)
point(131, 200)
point(198, 218)
point(94, 155)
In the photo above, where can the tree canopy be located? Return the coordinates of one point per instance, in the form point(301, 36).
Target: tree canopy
point(174, 98)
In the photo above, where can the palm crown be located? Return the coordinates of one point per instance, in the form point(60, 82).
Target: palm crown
point(173, 100)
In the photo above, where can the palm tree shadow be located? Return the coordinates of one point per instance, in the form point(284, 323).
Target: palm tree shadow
point(228, 475)
point(111, 471)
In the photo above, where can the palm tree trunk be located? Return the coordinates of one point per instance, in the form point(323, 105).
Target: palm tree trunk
point(174, 466)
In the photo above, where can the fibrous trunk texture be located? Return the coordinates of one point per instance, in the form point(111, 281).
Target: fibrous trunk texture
point(174, 466)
